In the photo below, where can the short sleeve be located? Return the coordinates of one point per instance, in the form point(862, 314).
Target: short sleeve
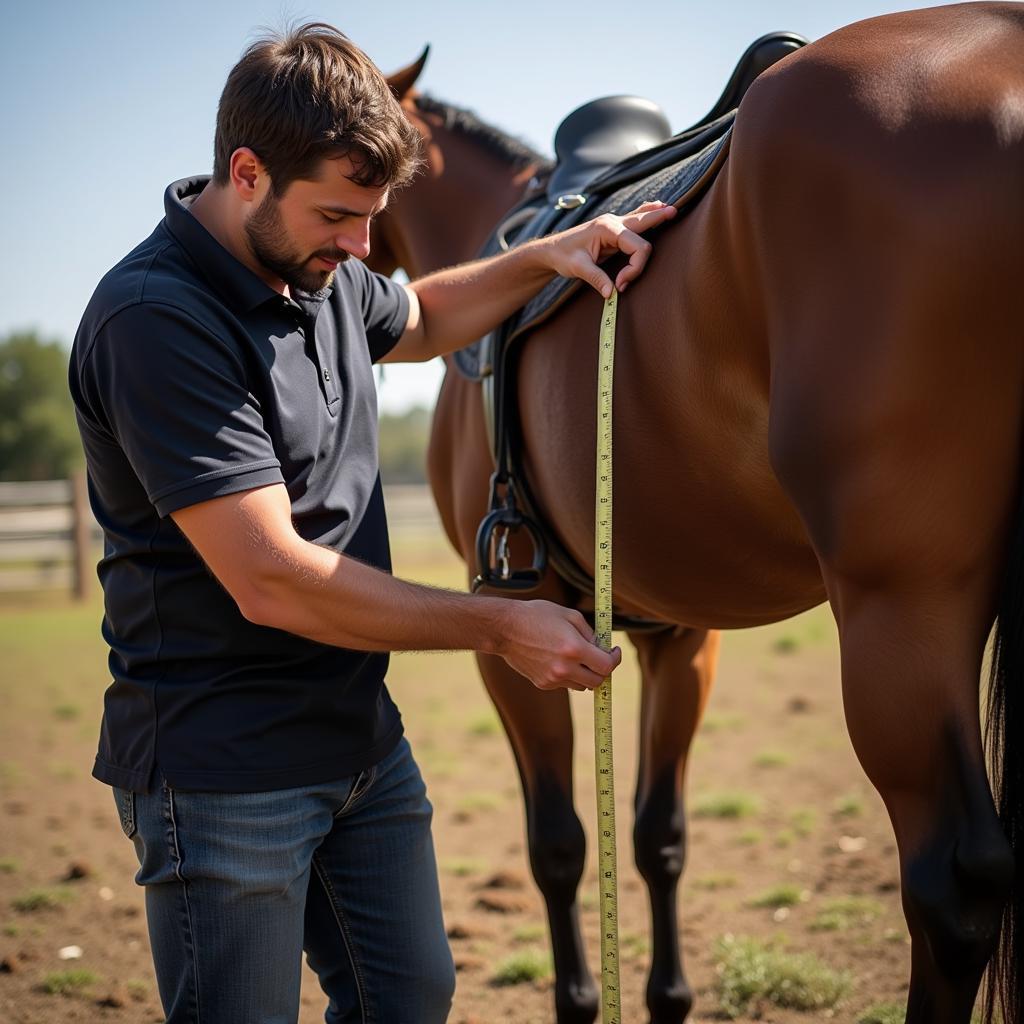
point(174, 396)
point(384, 304)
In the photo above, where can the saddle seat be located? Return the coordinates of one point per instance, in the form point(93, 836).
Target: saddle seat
point(600, 134)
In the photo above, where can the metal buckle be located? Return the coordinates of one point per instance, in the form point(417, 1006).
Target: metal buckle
point(570, 201)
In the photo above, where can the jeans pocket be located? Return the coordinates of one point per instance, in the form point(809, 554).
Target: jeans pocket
point(125, 801)
point(362, 783)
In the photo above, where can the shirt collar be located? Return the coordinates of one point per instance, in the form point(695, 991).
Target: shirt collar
point(235, 282)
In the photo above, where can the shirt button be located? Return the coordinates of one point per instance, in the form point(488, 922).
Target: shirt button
point(327, 376)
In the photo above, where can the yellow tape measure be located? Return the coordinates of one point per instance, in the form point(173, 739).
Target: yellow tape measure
point(607, 871)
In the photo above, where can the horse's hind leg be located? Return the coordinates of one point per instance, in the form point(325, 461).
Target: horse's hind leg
point(677, 666)
point(909, 502)
point(539, 727)
point(910, 683)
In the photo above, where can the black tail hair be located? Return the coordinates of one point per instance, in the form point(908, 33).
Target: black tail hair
point(1004, 738)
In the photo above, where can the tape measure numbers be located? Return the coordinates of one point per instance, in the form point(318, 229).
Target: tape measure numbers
point(607, 870)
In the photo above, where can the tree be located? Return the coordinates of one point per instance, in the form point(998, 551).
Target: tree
point(38, 434)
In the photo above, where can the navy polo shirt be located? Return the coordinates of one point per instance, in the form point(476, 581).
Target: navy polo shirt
point(192, 378)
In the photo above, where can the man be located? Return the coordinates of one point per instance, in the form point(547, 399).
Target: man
point(222, 379)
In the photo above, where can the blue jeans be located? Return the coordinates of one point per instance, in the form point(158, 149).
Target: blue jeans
point(239, 884)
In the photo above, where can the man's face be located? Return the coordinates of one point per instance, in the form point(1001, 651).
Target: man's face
point(314, 226)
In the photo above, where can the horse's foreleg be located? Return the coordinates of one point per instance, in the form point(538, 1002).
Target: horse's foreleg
point(677, 667)
point(539, 727)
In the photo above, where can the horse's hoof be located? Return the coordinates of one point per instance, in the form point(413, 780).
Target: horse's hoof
point(577, 1004)
point(670, 1005)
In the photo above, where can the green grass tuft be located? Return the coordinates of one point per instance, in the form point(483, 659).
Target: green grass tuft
point(714, 882)
point(9, 865)
point(883, 1013)
point(719, 721)
point(786, 644)
point(752, 974)
point(771, 759)
point(803, 820)
point(463, 867)
point(725, 805)
point(785, 895)
point(529, 933)
point(529, 965)
point(67, 712)
point(845, 912)
point(849, 806)
point(67, 983)
point(41, 899)
point(486, 724)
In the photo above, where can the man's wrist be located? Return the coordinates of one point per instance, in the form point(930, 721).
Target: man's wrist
point(498, 624)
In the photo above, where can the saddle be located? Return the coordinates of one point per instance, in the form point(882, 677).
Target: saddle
point(613, 153)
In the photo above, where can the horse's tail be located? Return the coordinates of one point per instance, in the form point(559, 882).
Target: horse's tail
point(1004, 736)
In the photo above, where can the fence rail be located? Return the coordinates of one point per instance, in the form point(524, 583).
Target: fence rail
point(49, 539)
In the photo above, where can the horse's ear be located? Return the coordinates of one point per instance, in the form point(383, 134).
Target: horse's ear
point(402, 81)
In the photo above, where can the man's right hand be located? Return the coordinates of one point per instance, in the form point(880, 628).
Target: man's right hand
point(555, 648)
point(280, 580)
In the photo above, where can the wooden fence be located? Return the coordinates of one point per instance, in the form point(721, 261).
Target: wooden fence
point(49, 539)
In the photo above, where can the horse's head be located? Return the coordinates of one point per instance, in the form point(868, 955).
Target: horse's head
point(472, 174)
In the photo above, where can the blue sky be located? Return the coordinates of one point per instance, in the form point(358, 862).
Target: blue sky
point(106, 102)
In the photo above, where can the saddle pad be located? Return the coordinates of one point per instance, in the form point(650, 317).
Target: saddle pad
point(680, 184)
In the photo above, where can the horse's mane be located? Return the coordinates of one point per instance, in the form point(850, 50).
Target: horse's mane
point(464, 122)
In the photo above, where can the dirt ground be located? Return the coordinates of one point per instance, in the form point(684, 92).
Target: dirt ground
point(774, 738)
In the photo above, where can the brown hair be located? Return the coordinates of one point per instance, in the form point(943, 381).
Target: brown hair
point(309, 93)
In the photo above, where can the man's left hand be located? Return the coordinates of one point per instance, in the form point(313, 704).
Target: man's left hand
point(578, 251)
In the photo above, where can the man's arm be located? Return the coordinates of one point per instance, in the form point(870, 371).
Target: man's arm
point(278, 579)
point(453, 307)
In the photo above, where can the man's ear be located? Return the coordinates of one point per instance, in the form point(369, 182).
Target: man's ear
point(244, 173)
point(402, 81)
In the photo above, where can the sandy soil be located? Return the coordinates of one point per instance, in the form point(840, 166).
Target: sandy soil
point(774, 733)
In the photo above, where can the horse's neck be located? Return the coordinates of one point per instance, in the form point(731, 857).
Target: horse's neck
point(452, 219)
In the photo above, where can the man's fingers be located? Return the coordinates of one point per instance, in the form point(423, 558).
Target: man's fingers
point(599, 661)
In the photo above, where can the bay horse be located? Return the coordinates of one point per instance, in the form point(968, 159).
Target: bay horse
point(819, 396)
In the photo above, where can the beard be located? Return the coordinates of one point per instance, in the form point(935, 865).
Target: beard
point(270, 244)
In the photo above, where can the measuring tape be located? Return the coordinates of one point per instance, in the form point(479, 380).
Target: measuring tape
point(607, 871)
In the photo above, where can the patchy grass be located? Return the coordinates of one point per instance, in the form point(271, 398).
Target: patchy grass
point(845, 912)
point(714, 882)
point(785, 895)
point(486, 724)
point(784, 838)
point(803, 820)
point(725, 805)
point(41, 899)
point(750, 837)
point(471, 803)
point(11, 930)
point(530, 965)
point(9, 865)
point(529, 933)
point(721, 721)
point(137, 989)
point(771, 759)
point(635, 945)
point(67, 712)
point(753, 974)
point(849, 806)
point(883, 1013)
point(463, 867)
point(68, 983)
point(788, 643)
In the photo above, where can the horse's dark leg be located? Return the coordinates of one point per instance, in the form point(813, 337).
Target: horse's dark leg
point(911, 664)
point(677, 668)
point(539, 727)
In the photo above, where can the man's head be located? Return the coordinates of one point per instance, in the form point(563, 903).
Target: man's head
point(311, 139)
